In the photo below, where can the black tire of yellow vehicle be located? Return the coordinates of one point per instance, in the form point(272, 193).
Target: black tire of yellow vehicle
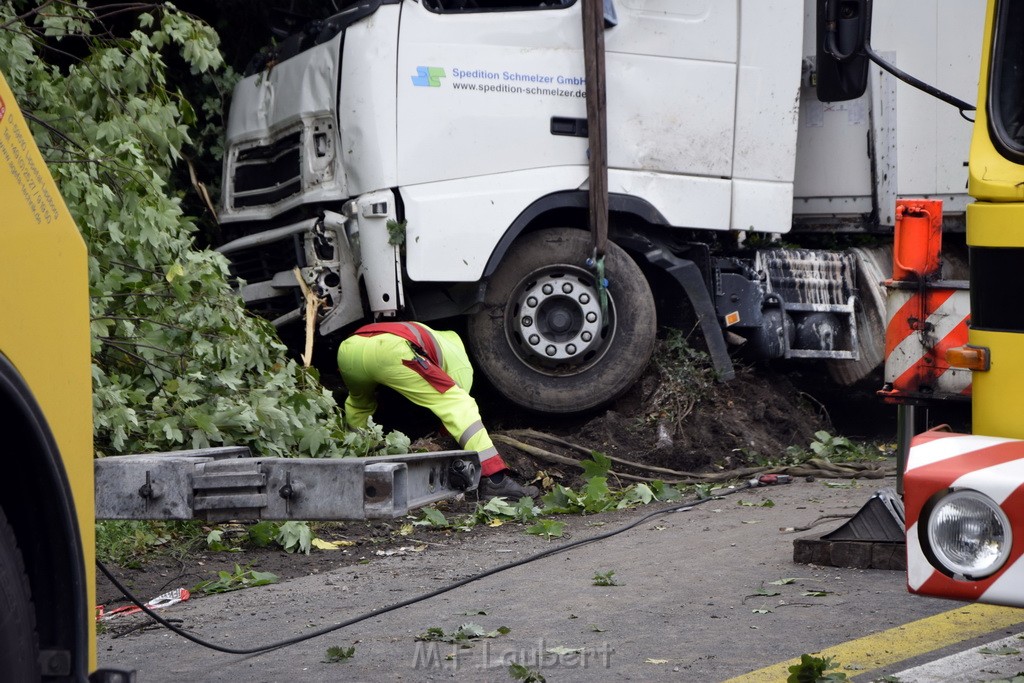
point(589, 380)
point(19, 643)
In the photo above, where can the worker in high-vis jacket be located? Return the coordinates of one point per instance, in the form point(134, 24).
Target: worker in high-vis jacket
point(431, 369)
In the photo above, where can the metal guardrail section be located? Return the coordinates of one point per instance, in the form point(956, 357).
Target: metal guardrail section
point(219, 484)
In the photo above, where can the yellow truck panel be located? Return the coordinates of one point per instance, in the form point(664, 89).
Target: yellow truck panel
point(44, 318)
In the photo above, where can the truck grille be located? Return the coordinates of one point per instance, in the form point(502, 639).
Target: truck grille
point(269, 173)
point(261, 263)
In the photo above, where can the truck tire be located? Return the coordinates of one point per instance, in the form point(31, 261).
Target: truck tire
point(19, 644)
point(873, 266)
point(540, 337)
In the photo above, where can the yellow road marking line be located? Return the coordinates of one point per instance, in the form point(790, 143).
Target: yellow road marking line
point(902, 642)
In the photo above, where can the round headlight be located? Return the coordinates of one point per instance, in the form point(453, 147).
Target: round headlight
point(969, 534)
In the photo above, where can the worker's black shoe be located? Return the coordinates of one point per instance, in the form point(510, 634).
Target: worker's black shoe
point(505, 487)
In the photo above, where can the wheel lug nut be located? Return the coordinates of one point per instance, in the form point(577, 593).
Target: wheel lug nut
point(534, 340)
point(532, 302)
point(591, 317)
point(550, 350)
point(584, 298)
point(527, 321)
point(586, 336)
point(570, 349)
point(567, 288)
point(547, 289)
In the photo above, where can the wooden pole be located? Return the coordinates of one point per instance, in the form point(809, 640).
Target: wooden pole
point(593, 56)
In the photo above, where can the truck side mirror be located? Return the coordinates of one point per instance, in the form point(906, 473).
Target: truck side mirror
point(843, 28)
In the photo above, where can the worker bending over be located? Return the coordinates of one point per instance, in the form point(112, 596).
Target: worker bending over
point(431, 369)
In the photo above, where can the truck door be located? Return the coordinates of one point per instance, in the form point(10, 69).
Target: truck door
point(478, 88)
point(495, 78)
point(497, 87)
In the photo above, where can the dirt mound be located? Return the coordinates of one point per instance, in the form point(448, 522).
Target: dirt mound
point(681, 419)
point(742, 422)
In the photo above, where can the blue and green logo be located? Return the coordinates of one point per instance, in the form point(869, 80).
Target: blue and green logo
point(428, 76)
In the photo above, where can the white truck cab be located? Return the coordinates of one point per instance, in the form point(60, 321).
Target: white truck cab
point(429, 159)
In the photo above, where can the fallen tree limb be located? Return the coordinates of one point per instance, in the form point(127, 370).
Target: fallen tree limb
point(543, 454)
point(816, 467)
point(550, 438)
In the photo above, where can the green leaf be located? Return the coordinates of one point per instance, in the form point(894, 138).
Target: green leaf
point(295, 537)
point(176, 270)
point(813, 670)
point(215, 542)
point(519, 672)
point(471, 630)
point(261, 578)
point(526, 510)
point(639, 494)
point(664, 492)
point(241, 578)
point(396, 232)
point(767, 503)
point(559, 500)
point(498, 506)
point(464, 634)
point(605, 579)
point(339, 654)
point(431, 634)
point(547, 528)
point(597, 466)
point(433, 518)
point(262, 534)
point(597, 495)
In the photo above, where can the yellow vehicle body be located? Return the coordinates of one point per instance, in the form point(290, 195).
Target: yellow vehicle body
point(995, 236)
point(964, 493)
point(45, 365)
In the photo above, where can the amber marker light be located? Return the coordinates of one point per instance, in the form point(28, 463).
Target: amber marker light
point(968, 357)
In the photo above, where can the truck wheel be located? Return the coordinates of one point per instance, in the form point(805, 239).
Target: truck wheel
point(540, 337)
point(19, 645)
point(873, 266)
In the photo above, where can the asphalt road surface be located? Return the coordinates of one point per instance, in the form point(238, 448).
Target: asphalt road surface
point(705, 594)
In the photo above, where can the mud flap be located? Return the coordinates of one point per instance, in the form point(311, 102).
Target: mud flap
point(689, 277)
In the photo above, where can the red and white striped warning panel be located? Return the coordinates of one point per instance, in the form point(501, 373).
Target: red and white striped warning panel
point(922, 324)
point(943, 463)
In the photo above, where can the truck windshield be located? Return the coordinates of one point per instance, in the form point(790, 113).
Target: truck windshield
point(1006, 87)
point(313, 33)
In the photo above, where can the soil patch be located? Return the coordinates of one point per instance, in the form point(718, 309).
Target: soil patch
point(745, 422)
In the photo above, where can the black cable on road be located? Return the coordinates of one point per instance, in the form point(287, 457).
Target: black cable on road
point(411, 601)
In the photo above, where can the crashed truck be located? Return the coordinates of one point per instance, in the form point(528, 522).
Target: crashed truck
point(432, 159)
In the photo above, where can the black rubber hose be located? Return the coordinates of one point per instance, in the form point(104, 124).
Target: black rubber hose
point(404, 603)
